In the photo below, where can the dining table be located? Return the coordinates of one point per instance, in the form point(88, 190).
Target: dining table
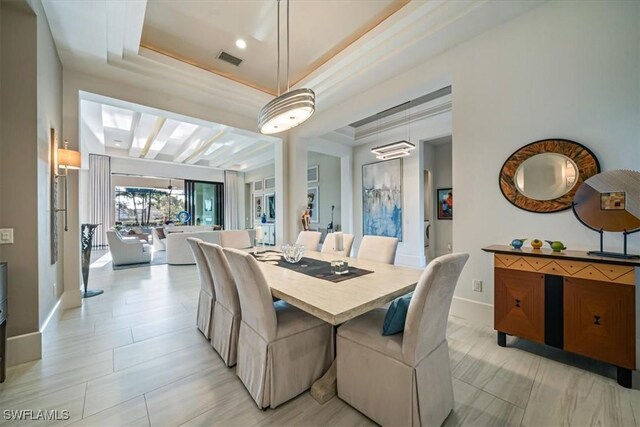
point(333, 301)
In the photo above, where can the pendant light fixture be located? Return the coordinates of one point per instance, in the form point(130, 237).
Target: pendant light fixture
point(396, 149)
point(291, 108)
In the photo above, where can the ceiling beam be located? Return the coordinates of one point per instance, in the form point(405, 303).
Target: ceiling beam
point(152, 136)
point(195, 156)
point(241, 154)
point(257, 154)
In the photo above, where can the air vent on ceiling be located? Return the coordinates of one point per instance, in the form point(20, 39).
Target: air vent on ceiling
point(227, 57)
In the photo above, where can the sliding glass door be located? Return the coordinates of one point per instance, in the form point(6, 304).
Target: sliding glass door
point(205, 202)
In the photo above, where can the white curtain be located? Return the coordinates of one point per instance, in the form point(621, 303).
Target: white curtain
point(231, 202)
point(100, 197)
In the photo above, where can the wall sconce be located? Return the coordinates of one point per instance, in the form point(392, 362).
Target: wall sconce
point(67, 159)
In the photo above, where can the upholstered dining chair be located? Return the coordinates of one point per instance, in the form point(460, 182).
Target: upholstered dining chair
point(226, 315)
point(281, 350)
point(237, 239)
point(330, 241)
point(403, 379)
point(309, 239)
point(378, 248)
point(207, 297)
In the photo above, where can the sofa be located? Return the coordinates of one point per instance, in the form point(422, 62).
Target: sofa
point(160, 233)
point(177, 247)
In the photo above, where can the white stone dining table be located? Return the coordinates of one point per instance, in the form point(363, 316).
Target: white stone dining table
point(336, 303)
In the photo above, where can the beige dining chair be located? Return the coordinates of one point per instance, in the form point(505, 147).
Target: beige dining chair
point(226, 315)
point(237, 239)
point(328, 246)
point(207, 297)
point(281, 350)
point(378, 249)
point(309, 239)
point(403, 379)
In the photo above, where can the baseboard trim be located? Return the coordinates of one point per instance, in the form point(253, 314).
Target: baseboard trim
point(24, 348)
point(54, 315)
point(71, 299)
point(472, 310)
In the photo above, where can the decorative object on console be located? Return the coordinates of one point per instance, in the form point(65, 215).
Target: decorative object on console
point(543, 176)
point(572, 301)
point(610, 201)
point(445, 203)
point(517, 243)
point(293, 107)
point(382, 199)
point(536, 243)
point(556, 245)
point(86, 240)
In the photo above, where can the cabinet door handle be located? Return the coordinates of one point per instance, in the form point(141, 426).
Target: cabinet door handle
point(517, 303)
point(596, 320)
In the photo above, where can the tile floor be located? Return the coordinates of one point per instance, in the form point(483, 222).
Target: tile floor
point(133, 356)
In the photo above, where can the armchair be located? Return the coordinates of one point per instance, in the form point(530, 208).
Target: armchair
point(127, 251)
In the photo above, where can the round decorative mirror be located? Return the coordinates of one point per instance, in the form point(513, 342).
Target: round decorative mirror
point(543, 176)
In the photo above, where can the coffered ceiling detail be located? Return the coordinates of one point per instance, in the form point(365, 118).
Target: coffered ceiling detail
point(143, 133)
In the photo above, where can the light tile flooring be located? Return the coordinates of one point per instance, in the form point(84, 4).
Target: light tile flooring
point(133, 356)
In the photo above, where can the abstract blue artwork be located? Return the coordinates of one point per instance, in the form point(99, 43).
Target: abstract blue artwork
point(382, 199)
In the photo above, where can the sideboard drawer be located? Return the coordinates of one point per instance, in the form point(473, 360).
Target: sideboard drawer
point(599, 320)
point(519, 303)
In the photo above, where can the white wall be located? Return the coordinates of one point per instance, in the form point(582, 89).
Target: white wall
point(411, 249)
point(442, 178)
point(329, 187)
point(564, 69)
point(258, 174)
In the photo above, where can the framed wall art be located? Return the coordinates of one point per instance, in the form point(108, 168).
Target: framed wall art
point(445, 203)
point(382, 199)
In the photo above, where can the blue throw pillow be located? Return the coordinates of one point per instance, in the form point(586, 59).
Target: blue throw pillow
point(396, 315)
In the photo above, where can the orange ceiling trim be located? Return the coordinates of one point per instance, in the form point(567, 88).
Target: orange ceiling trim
point(202, 67)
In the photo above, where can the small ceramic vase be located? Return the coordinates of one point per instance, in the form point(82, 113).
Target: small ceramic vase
point(557, 246)
point(536, 243)
point(517, 243)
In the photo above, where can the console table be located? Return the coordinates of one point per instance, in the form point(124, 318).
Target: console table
point(3, 321)
point(570, 300)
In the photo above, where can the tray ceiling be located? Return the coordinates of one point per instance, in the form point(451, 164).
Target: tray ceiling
point(196, 31)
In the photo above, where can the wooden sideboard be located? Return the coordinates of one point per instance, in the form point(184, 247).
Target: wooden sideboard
point(570, 300)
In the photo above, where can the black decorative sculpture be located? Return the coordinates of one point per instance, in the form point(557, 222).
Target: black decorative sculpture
point(86, 239)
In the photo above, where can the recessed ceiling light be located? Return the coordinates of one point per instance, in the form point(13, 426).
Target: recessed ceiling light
point(241, 43)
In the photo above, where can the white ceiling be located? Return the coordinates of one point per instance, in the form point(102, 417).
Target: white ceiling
point(130, 130)
point(196, 31)
point(102, 39)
